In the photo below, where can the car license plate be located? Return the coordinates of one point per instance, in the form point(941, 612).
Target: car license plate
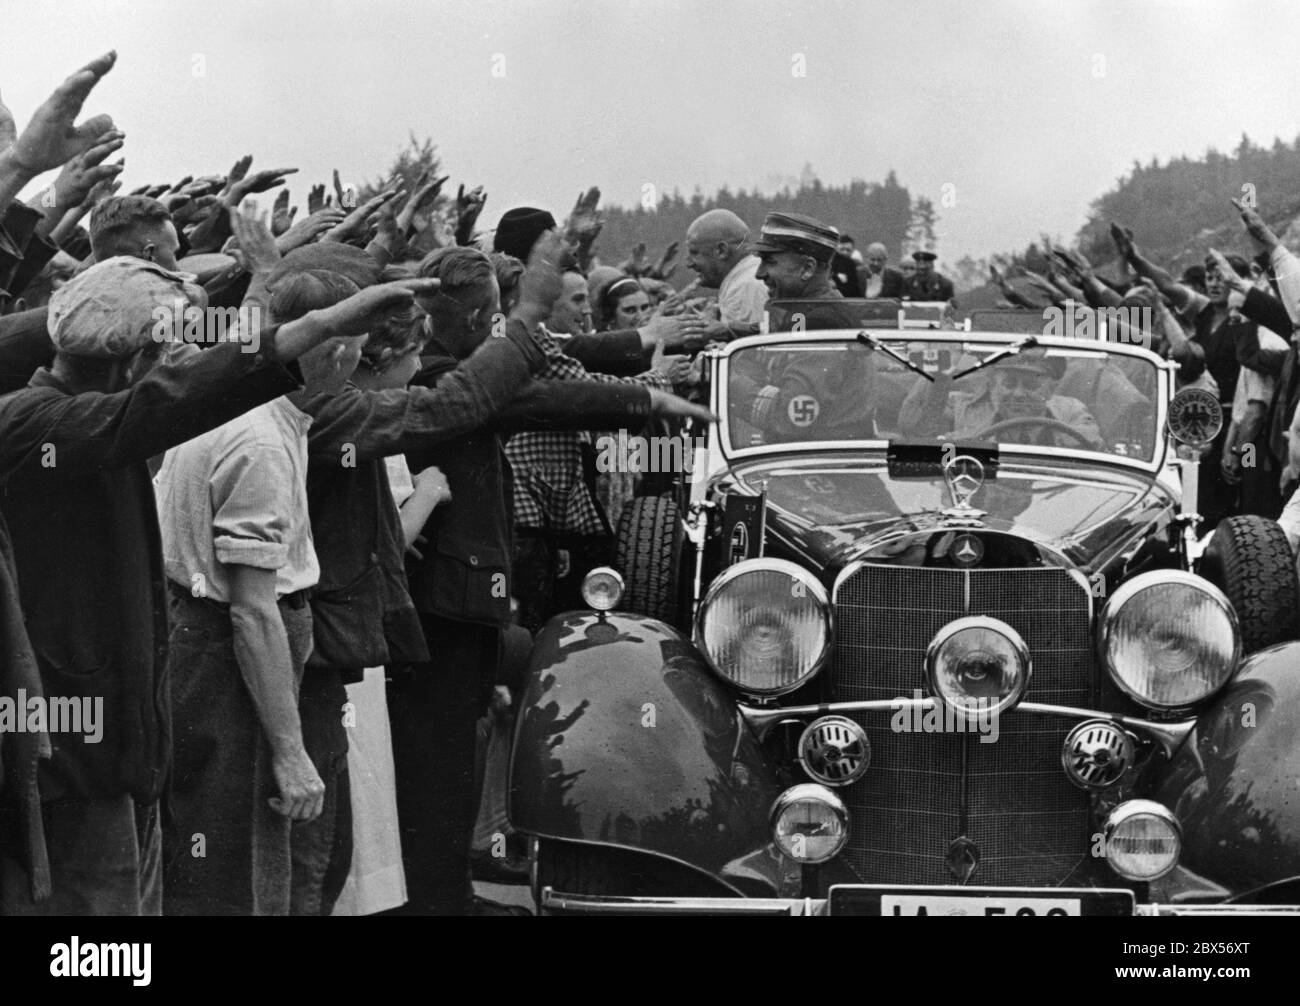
point(994, 902)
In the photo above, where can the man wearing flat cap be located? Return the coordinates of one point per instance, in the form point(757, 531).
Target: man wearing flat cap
point(1019, 391)
point(926, 284)
point(82, 541)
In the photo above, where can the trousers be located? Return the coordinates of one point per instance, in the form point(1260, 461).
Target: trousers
point(105, 859)
point(226, 851)
point(433, 710)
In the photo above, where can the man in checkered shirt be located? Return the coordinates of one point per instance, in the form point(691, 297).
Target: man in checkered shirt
point(559, 523)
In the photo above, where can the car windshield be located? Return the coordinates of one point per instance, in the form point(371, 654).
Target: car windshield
point(813, 391)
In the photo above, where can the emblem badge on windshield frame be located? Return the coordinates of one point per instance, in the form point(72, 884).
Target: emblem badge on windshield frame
point(964, 475)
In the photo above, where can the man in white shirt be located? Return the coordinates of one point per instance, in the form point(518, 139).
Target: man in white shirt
point(240, 563)
point(717, 251)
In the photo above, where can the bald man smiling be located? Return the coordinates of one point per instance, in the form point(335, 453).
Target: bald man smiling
point(717, 251)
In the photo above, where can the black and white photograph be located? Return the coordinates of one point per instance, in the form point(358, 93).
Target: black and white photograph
point(650, 458)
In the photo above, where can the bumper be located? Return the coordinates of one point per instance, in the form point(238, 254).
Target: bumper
point(558, 903)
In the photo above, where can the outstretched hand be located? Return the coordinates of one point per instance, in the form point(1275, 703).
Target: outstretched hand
point(237, 172)
point(282, 214)
point(1227, 274)
point(360, 312)
point(258, 181)
point(356, 225)
point(52, 137)
point(256, 243)
point(584, 222)
point(635, 265)
point(1123, 238)
point(308, 229)
point(426, 191)
point(86, 170)
point(542, 282)
point(1259, 231)
point(667, 263)
point(665, 406)
point(468, 207)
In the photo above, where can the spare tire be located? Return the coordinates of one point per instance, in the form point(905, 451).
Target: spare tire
point(1250, 560)
point(648, 555)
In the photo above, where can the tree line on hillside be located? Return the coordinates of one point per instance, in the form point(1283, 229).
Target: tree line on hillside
point(1176, 210)
point(1172, 205)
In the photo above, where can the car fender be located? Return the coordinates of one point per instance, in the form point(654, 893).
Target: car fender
point(1234, 784)
point(625, 738)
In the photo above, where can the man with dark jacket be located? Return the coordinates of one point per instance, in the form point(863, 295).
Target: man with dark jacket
point(461, 586)
point(87, 558)
point(362, 613)
point(927, 284)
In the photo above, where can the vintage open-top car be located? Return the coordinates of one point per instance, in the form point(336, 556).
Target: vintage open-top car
point(929, 628)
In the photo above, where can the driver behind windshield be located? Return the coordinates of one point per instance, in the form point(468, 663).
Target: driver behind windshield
point(1016, 391)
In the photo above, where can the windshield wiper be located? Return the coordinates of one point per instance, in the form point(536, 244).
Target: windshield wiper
point(873, 343)
point(1028, 342)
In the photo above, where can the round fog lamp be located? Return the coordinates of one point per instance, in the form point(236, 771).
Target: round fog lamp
point(1143, 840)
point(602, 588)
point(810, 824)
point(978, 666)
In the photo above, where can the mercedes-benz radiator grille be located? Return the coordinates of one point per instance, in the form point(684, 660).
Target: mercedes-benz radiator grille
point(1027, 820)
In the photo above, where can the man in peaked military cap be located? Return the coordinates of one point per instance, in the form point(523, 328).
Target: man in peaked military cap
point(795, 254)
point(926, 284)
point(781, 396)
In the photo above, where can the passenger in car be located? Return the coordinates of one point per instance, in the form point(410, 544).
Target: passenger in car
point(802, 395)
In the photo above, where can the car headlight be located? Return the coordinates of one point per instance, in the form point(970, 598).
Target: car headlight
point(1143, 840)
point(1169, 639)
point(765, 626)
point(602, 589)
point(978, 666)
point(810, 824)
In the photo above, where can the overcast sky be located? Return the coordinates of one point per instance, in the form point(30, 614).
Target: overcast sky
point(1028, 110)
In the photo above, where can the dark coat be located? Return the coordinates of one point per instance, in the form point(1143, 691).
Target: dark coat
point(893, 285)
point(465, 572)
point(80, 531)
point(363, 614)
point(618, 353)
point(932, 287)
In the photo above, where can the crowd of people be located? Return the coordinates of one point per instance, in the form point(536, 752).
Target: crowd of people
point(256, 497)
point(284, 500)
point(1228, 324)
